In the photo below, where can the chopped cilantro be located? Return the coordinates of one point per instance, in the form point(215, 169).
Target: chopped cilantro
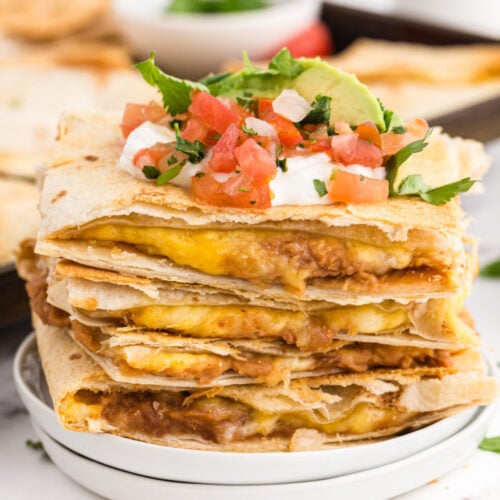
point(215, 137)
point(249, 131)
point(243, 190)
point(195, 150)
point(248, 103)
point(320, 111)
point(491, 270)
point(170, 174)
point(391, 119)
point(396, 160)
point(172, 160)
point(34, 445)
point(320, 187)
point(150, 172)
point(398, 129)
point(490, 444)
point(176, 93)
point(219, 6)
point(199, 174)
point(281, 163)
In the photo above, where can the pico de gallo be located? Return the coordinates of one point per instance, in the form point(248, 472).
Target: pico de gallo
point(235, 148)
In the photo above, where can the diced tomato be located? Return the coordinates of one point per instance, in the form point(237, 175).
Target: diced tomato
point(354, 188)
point(213, 112)
point(288, 133)
point(196, 130)
point(238, 191)
point(313, 41)
point(368, 131)
point(136, 114)
point(239, 110)
point(349, 149)
point(255, 162)
point(317, 146)
point(159, 156)
point(223, 159)
point(264, 107)
point(416, 129)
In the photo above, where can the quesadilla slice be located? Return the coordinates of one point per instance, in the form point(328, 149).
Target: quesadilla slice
point(307, 414)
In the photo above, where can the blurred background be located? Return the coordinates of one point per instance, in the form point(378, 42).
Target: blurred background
point(439, 59)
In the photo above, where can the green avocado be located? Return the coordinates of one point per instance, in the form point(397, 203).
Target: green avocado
point(352, 101)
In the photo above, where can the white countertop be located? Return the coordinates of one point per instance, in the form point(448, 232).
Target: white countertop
point(27, 474)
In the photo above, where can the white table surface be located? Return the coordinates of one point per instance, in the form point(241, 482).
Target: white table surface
point(27, 474)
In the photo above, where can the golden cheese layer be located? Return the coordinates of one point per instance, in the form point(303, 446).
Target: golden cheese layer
point(307, 331)
point(267, 256)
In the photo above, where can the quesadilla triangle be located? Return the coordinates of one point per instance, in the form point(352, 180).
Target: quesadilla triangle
point(307, 414)
point(107, 299)
point(93, 213)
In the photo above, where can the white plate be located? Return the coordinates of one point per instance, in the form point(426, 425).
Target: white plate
point(218, 467)
point(378, 483)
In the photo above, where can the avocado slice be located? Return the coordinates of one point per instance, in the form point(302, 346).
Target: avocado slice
point(352, 101)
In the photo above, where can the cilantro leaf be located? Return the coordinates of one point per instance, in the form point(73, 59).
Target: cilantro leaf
point(391, 119)
point(170, 174)
point(320, 111)
point(150, 172)
point(194, 150)
point(34, 445)
point(491, 270)
point(176, 93)
point(415, 185)
point(248, 131)
point(399, 129)
point(396, 160)
point(283, 63)
point(320, 187)
point(411, 185)
point(209, 6)
point(443, 194)
point(213, 78)
point(490, 444)
point(281, 163)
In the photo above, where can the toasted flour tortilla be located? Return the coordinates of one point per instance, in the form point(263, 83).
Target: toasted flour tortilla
point(97, 297)
point(115, 198)
point(85, 400)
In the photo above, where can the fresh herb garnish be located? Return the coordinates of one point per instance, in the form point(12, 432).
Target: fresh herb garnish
point(490, 444)
point(491, 270)
point(172, 160)
point(243, 190)
point(34, 445)
point(150, 172)
point(281, 163)
point(283, 63)
point(396, 160)
point(391, 119)
point(320, 187)
point(176, 93)
point(211, 6)
point(170, 174)
point(399, 129)
point(199, 174)
point(415, 185)
point(320, 111)
point(194, 150)
point(248, 103)
point(248, 131)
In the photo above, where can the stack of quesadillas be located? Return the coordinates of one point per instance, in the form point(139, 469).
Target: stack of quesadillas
point(163, 319)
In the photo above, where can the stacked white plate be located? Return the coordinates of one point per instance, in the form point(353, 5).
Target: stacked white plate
point(122, 468)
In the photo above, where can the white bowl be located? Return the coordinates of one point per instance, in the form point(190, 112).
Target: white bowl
point(193, 45)
point(218, 467)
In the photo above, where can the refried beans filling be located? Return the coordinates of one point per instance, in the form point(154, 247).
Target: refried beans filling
point(356, 357)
